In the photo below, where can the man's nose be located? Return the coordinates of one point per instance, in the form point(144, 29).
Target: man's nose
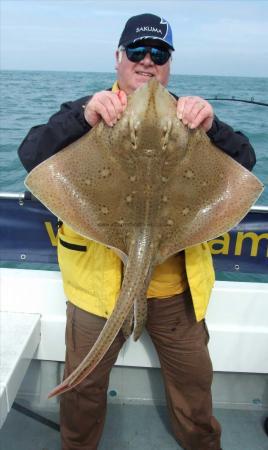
point(147, 60)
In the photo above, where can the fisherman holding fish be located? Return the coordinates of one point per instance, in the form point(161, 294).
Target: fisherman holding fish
point(180, 287)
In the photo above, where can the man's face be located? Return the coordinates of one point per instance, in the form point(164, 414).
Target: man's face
point(131, 75)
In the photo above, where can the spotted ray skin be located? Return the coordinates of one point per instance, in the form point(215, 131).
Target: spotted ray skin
point(147, 188)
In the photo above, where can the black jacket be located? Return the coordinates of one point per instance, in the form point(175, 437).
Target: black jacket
point(68, 125)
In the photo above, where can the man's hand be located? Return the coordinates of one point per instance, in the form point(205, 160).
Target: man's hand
point(194, 112)
point(105, 105)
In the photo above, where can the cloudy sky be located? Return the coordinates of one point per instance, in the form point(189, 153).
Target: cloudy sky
point(211, 37)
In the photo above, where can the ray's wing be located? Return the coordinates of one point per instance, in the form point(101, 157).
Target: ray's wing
point(208, 194)
point(84, 184)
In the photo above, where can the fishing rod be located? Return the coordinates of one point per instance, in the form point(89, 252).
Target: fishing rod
point(233, 99)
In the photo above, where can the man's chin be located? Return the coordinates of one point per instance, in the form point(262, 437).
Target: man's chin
point(140, 80)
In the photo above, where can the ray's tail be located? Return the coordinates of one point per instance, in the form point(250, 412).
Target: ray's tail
point(138, 268)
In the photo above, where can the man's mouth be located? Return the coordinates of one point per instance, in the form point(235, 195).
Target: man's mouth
point(145, 74)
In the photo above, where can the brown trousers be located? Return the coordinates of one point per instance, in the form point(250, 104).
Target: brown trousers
point(181, 343)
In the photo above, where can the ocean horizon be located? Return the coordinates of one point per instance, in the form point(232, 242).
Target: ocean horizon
point(113, 73)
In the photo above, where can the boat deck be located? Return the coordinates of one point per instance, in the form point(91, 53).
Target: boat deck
point(135, 419)
point(134, 427)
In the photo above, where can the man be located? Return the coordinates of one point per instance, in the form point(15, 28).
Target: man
point(180, 288)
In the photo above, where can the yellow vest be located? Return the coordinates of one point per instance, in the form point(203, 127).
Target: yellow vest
point(92, 274)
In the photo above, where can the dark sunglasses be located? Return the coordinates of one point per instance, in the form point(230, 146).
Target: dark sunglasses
point(158, 55)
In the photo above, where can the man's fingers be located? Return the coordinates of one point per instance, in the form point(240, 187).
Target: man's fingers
point(123, 99)
point(112, 107)
point(195, 111)
point(200, 117)
point(189, 105)
point(121, 103)
point(105, 105)
point(185, 105)
point(104, 113)
point(116, 104)
point(180, 107)
point(197, 114)
point(196, 108)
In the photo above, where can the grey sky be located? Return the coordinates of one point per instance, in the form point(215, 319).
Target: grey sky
point(211, 37)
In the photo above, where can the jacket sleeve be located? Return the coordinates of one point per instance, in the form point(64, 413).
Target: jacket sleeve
point(235, 144)
point(63, 128)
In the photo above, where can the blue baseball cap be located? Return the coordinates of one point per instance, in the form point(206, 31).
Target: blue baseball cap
point(146, 26)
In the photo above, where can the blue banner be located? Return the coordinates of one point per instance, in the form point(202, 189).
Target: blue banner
point(28, 232)
point(244, 248)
